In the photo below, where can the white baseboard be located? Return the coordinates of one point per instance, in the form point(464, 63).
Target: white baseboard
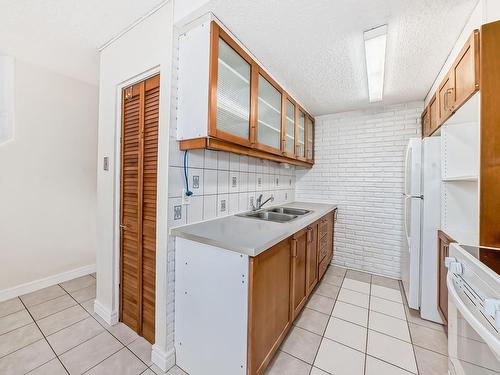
point(109, 316)
point(163, 359)
point(35, 285)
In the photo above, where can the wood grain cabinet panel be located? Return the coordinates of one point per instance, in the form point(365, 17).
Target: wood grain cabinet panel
point(446, 99)
point(269, 300)
point(299, 280)
point(248, 112)
point(444, 242)
point(465, 72)
point(433, 115)
point(312, 257)
point(426, 123)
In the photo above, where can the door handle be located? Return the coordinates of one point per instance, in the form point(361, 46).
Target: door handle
point(123, 226)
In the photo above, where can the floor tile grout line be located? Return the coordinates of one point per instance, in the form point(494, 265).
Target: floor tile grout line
point(45, 301)
point(333, 307)
point(106, 330)
point(411, 336)
point(392, 364)
point(11, 313)
point(12, 330)
point(47, 341)
point(367, 326)
point(109, 356)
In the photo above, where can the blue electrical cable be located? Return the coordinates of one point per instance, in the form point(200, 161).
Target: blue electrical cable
point(188, 192)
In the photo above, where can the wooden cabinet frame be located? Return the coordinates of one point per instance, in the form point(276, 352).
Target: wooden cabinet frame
point(217, 32)
point(267, 77)
point(298, 109)
point(306, 136)
point(461, 82)
point(220, 140)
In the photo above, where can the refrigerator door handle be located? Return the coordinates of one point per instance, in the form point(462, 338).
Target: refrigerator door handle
point(413, 196)
point(406, 221)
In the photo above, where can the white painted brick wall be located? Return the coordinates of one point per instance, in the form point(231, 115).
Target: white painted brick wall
point(360, 166)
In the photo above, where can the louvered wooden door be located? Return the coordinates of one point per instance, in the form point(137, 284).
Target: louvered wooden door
point(140, 109)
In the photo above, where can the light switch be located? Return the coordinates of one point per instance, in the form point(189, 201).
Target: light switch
point(105, 163)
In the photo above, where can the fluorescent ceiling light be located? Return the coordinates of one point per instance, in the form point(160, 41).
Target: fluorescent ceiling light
point(375, 44)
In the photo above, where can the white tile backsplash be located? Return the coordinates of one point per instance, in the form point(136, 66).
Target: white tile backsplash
point(226, 180)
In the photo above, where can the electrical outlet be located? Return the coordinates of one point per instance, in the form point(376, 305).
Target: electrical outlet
point(177, 212)
point(259, 182)
point(196, 182)
point(223, 205)
point(186, 199)
point(234, 181)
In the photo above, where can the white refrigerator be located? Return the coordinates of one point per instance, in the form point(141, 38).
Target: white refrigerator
point(422, 219)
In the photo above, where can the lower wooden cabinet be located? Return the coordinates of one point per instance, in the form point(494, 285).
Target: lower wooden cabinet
point(281, 280)
point(233, 310)
point(269, 300)
point(312, 258)
point(299, 280)
point(444, 242)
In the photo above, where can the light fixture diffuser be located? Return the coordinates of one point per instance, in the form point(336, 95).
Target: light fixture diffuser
point(375, 45)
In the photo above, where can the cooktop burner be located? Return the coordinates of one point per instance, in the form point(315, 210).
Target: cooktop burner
point(489, 256)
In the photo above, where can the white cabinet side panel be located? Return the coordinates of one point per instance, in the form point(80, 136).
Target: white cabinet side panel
point(192, 82)
point(211, 309)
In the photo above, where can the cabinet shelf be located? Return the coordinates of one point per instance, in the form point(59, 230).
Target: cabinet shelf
point(269, 106)
point(459, 178)
point(269, 126)
point(232, 70)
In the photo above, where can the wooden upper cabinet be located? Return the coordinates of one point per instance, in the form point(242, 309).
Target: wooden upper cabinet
point(461, 82)
point(445, 97)
point(433, 114)
point(270, 313)
point(300, 134)
point(465, 71)
point(269, 114)
point(426, 123)
point(310, 139)
point(288, 141)
point(231, 90)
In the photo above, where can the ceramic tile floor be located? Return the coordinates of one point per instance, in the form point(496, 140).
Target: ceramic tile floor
point(55, 331)
point(353, 324)
point(359, 324)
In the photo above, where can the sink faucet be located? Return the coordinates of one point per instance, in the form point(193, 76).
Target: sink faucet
point(259, 202)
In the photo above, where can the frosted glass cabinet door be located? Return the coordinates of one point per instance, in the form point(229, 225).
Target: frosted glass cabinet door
point(233, 92)
point(301, 150)
point(269, 119)
point(290, 128)
point(310, 137)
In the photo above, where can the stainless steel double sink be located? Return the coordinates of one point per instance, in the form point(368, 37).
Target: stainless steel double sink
point(276, 214)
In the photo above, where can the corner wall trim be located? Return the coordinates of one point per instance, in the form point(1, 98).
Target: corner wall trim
point(163, 359)
point(110, 317)
point(35, 285)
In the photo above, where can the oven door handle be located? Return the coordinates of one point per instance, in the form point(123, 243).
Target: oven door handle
point(491, 340)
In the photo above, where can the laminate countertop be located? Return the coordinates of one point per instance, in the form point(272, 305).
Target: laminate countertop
point(250, 236)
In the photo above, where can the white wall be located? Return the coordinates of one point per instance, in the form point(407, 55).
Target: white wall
point(485, 11)
point(144, 50)
point(360, 166)
point(48, 180)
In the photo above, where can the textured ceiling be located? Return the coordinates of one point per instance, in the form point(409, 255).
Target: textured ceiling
point(65, 35)
point(315, 47)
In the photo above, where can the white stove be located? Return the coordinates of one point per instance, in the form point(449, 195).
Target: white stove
point(473, 310)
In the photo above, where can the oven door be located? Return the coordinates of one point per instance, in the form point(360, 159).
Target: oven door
point(473, 343)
